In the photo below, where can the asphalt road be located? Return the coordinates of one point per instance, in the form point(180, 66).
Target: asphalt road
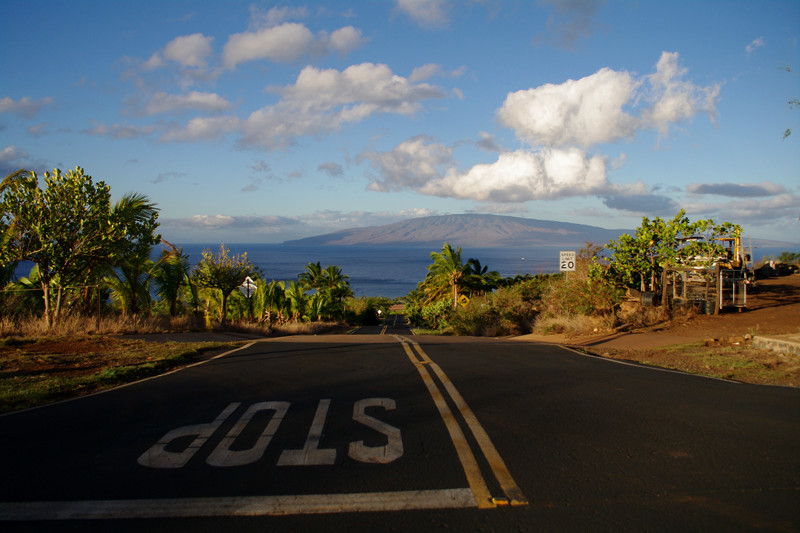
point(390, 432)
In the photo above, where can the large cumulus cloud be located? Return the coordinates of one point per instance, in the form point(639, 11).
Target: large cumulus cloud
point(560, 124)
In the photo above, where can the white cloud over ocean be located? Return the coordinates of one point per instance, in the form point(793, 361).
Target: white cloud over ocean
point(560, 123)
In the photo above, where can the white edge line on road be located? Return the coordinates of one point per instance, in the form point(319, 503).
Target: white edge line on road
point(238, 506)
point(641, 365)
point(157, 376)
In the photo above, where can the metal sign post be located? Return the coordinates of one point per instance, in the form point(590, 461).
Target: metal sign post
point(248, 288)
point(566, 261)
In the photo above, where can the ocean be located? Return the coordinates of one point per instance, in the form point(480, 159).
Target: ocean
point(391, 271)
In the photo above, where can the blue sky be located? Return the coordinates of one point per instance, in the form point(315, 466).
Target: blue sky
point(267, 121)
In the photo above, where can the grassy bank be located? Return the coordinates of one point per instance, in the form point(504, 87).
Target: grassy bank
point(737, 361)
point(37, 372)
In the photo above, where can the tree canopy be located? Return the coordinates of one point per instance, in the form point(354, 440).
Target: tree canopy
point(69, 228)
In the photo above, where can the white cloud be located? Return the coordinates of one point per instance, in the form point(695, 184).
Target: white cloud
point(599, 108)
point(426, 13)
point(25, 106)
point(252, 223)
point(425, 72)
point(755, 45)
point(583, 112)
point(779, 212)
point(523, 176)
point(12, 153)
point(275, 15)
point(345, 40)
point(428, 167)
point(186, 50)
point(672, 98)
point(321, 101)
point(120, 131)
point(487, 142)
point(286, 43)
point(203, 129)
point(279, 228)
point(412, 164)
point(162, 102)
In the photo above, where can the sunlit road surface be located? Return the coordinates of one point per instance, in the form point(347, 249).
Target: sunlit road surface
point(401, 432)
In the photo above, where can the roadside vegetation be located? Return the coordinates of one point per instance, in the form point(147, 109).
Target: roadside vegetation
point(35, 372)
point(98, 268)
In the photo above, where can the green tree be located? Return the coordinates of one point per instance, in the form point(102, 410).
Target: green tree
point(296, 299)
point(313, 277)
point(480, 279)
point(446, 275)
point(269, 301)
point(638, 260)
point(337, 283)
point(130, 275)
point(224, 273)
point(68, 228)
point(170, 275)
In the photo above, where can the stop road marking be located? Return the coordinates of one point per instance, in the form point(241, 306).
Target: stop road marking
point(157, 456)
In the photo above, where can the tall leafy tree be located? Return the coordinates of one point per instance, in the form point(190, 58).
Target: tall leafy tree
point(480, 279)
point(313, 277)
point(67, 227)
point(296, 298)
point(223, 272)
point(170, 274)
point(447, 274)
point(133, 270)
point(270, 300)
point(639, 259)
point(337, 283)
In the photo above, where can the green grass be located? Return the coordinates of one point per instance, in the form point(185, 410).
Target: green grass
point(29, 378)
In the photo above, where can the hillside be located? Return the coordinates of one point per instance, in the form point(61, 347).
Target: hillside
point(467, 230)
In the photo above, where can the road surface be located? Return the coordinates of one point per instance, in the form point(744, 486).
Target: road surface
point(381, 432)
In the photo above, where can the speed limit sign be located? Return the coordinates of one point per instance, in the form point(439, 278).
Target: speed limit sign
point(567, 261)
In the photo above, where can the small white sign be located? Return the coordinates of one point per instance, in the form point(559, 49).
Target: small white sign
point(249, 287)
point(566, 260)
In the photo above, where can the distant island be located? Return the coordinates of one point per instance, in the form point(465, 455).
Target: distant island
point(482, 231)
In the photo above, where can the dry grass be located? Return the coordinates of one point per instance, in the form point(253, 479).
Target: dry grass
point(37, 372)
point(738, 361)
point(574, 326)
point(34, 327)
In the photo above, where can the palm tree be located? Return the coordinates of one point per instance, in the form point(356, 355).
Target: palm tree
point(313, 277)
point(318, 305)
point(296, 299)
point(270, 298)
point(446, 274)
point(130, 282)
point(130, 278)
point(170, 274)
point(479, 280)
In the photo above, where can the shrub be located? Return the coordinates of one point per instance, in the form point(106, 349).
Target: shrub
point(507, 311)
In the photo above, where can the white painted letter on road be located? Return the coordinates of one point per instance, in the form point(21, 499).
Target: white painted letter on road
point(310, 454)
point(158, 457)
point(376, 454)
point(224, 456)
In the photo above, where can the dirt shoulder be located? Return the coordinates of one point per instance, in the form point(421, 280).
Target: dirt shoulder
point(714, 345)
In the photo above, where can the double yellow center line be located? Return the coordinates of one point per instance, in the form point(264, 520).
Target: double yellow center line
point(512, 493)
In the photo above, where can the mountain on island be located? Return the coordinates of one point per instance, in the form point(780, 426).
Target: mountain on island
point(480, 231)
